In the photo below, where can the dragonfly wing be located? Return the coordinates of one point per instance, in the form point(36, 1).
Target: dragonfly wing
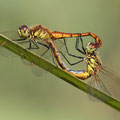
point(3, 51)
point(99, 85)
point(37, 71)
point(7, 53)
point(107, 82)
point(111, 81)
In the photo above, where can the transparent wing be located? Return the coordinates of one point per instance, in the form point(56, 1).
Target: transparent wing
point(49, 56)
point(25, 43)
point(37, 71)
point(111, 80)
point(107, 82)
point(6, 53)
point(3, 51)
point(99, 85)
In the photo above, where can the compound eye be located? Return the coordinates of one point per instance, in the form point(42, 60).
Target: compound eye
point(23, 31)
point(23, 27)
point(93, 45)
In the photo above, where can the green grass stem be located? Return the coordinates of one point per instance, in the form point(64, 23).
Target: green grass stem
point(39, 61)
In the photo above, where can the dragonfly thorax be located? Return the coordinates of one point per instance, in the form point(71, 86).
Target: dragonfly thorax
point(93, 64)
point(39, 32)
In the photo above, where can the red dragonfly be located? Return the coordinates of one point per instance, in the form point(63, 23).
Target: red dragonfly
point(39, 34)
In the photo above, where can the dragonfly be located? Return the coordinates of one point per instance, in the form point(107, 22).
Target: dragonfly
point(93, 62)
point(39, 34)
point(102, 78)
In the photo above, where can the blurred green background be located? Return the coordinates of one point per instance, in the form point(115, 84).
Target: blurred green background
point(23, 96)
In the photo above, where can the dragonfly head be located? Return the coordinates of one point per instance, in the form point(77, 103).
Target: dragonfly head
point(23, 32)
point(90, 48)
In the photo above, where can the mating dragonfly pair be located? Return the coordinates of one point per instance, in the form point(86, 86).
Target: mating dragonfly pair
point(39, 35)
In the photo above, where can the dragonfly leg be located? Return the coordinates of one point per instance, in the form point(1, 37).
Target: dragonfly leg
point(70, 53)
point(30, 43)
point(69, 61)
point(35, 43)
point(23, 42)
point(45, 52)
point(47, 46)
point(82, 58)
point(20, 39)
point(37, 47)
point(77, 44)
point(82, 45)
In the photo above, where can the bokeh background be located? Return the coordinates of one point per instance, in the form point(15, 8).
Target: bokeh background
point(23, 96)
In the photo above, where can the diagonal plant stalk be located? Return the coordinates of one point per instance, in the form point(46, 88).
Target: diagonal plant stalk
point(37, 60)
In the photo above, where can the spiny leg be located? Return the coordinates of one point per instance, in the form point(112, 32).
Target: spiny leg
point(82, 58)
point(20, 39)
point(47, 46)
point(45, 52)
point(82, 45)
point(35, 43)
point(23, 42)
point(37, 47)
point(69, 61)
point(30, 45)
point(70, 53)
point(77, 44)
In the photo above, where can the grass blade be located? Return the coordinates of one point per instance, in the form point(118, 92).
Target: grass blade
point(37, 60)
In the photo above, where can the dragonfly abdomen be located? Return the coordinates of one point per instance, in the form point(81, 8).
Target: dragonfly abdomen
point(59, 35)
